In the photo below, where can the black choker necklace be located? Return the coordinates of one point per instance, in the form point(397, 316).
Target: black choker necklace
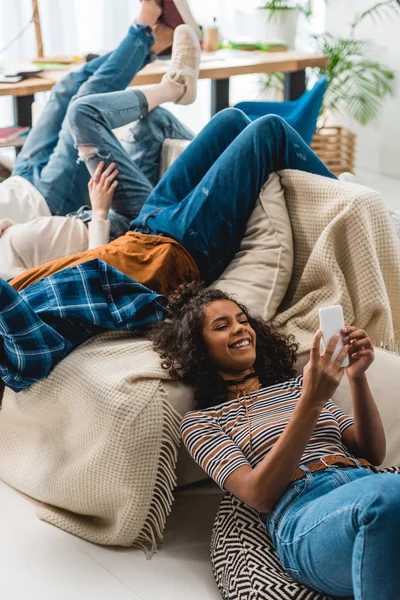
point(236, 381)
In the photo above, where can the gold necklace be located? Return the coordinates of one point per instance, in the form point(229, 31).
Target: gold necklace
point(239, 395)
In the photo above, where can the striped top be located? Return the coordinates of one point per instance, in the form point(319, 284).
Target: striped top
point(219, 440)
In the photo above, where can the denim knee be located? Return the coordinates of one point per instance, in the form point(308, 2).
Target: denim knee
point(157, 120)
point(160, 116)
point(382, 506)
point(271, 123)
point(232, 118)
point(78, 109)
point(66, 86)
point(80, 114)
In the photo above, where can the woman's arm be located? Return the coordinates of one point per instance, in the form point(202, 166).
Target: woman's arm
point(366, 438)
point(262, 486)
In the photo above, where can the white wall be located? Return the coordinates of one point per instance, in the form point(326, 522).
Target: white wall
point(378, 147)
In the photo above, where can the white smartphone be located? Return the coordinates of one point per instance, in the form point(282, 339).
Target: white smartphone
point(331, 321)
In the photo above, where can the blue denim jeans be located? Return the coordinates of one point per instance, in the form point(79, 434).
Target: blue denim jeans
point(92, 120)
point(137, 155)
point(49, 157)
point(338, 531)
point(205, 199)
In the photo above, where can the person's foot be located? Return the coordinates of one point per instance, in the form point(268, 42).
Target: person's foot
point(177, 12)
point(185, 63)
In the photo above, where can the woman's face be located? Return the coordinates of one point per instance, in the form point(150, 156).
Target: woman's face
point(229, 338)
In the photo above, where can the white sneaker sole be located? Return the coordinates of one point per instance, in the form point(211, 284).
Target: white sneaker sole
point(187, 16)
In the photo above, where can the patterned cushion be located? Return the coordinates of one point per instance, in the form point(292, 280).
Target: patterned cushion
point(244, 561)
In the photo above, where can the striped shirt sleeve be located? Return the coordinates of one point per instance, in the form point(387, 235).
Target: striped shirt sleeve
point(343, 419)
point(210, 447)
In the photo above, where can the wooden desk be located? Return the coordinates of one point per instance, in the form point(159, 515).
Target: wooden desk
point(218, 66)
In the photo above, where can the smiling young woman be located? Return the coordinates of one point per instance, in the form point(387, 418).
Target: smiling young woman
point(230, 340)
point(279, 443)
point(196, 344)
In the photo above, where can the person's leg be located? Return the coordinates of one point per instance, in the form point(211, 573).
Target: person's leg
point(211, 221)
point(345, 541)
point(63, 181)
point(93, 118)
point(145, 138)
point(49, 160)
point(43, 137)
point(143, 144)
point(195, 161)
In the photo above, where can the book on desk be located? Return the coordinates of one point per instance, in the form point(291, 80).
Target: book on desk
point(13, 136)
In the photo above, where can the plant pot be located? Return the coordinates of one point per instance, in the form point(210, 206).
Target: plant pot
point(336, 147)
point(277, 26)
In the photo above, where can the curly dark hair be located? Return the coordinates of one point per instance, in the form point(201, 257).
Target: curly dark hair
point(179, 341)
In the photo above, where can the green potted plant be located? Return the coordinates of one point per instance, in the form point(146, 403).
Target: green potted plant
point(357, 84)
point(277, 20)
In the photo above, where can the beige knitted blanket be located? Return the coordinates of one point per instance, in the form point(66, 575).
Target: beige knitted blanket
point(345, 252)
point(96, 442)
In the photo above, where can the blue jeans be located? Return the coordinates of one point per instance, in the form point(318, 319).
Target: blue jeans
point(205, 199)
point(338, 531)
point(92, 120)
point(49, 159)
point(137, 155)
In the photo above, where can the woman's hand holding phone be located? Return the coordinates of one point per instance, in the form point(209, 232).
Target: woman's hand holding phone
point(322, 375)
point(361, 351)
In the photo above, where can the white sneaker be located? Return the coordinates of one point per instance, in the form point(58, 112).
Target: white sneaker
point(185, 63)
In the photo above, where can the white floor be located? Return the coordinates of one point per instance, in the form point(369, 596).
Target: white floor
point(387, 186)
point(40, 562)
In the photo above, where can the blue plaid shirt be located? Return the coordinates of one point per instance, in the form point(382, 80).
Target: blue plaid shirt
point(43, 323)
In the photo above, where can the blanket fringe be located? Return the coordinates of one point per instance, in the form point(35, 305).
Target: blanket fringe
point(392, 345)
point(151, 534)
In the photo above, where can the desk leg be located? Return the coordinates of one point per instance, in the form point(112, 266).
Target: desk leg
point(23, 110)
point(219, 95)
point(295, 85)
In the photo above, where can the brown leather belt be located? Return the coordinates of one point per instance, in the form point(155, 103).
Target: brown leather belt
point(330, 461)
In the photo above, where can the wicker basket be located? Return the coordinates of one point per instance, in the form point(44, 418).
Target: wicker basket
point(336, 147)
